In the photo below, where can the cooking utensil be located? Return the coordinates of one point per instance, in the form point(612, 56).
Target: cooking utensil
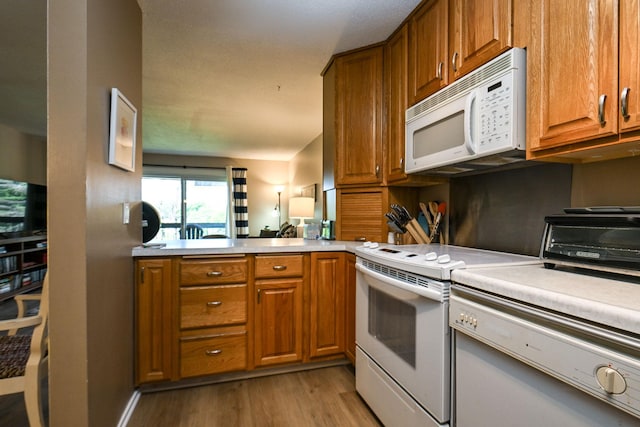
point(394, 227)
point(442, 208)
point(433, 208)
point(426, 214)
point(410, 224)
point(396, 222)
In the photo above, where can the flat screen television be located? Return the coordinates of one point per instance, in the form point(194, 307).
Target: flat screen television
point(23, 208)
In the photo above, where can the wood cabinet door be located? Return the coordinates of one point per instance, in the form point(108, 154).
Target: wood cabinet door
point(278, 321)
point(359, 117)
point(629, 65)
point(479, 31)
point(153, 320)
point(327, 304)
point(428, 50)
point(572, 67)
point(360, 215)
point(395, 71)
point(350, 307)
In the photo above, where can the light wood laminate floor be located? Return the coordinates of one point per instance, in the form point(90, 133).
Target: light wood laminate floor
point(318, 397)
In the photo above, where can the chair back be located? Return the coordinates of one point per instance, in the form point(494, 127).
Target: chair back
point(40, 335)
point(193, 231)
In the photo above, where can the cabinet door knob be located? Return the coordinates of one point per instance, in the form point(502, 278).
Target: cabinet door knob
point(212, 352)
point(377, 170)
point(601, 101)
point(439, 72)
point(624, 103)
point(279, 267)
point(214, 303)
point(454, 61)
point(214, 273)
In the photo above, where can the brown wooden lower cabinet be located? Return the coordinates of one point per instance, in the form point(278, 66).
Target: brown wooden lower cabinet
point(205, 316)
point(278, 321)
point(153, 320)
point(327, 304)
point(208, 355)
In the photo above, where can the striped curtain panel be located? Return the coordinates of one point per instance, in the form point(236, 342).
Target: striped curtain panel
point(240, 211)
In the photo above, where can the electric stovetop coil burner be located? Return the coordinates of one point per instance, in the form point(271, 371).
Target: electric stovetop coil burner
point(601, 238)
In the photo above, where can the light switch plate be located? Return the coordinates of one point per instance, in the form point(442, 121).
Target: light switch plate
point(125, 213)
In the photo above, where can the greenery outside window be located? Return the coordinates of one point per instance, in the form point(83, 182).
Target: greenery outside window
point(187, 197)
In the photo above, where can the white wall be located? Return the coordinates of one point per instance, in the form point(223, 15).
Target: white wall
point(305, 168)
point(24, 157)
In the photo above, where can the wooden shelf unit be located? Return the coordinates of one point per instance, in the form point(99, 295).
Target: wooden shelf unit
point(23, 264)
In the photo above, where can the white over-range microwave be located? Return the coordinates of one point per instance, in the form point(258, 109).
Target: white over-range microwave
point(477, 122)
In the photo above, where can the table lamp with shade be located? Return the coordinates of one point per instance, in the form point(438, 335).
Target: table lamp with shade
point(303, 208)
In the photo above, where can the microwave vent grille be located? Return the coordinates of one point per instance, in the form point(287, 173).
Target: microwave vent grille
point(487, 72)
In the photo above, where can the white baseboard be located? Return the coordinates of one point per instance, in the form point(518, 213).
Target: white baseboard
point(128, 410)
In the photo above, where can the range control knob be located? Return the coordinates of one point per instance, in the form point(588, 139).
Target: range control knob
point(443, 259)
point(431, 256)
point(611, 380)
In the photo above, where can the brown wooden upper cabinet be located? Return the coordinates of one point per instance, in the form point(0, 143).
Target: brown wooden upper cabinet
point(395, 87)
point(584, 73)
point(449, 38)
point(358, 112)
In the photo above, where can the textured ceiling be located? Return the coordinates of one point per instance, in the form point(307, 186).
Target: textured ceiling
point(226, 78)
point(241, 78)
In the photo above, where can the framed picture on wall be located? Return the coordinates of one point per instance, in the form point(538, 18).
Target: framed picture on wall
point(309, 191)
point(122, 132)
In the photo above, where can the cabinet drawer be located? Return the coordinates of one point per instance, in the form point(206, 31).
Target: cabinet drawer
point(205, 272)
point(279, 266)
point(213, 306)
point(213, 354)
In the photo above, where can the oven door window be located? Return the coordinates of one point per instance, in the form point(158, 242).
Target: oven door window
point(393, 323)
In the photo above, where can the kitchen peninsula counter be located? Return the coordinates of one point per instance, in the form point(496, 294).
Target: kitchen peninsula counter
point(595, 297)
point(243, 246)
point(209, 307)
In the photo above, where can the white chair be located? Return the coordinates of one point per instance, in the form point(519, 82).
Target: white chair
point(24, 358)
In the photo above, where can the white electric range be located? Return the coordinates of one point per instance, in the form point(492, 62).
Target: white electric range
point(403, 365)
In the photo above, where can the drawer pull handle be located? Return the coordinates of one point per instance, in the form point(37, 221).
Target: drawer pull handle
point(214, 273)
point(214, 303)
point(279, 267)
point(212, 352)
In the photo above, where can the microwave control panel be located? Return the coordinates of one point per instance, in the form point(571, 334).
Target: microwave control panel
point(495, 114)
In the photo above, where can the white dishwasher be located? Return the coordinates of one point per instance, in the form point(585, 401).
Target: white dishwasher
point(541, 347)
point(518, 366)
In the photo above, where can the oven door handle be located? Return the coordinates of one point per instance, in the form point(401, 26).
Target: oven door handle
point(419, 290)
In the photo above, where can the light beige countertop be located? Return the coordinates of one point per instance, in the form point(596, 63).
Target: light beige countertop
point(243, 246)
point(605, 300)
